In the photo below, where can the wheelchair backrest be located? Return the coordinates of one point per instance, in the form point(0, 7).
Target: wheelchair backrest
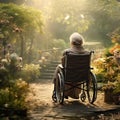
point(77, 67)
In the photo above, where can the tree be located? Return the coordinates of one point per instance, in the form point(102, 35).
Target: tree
point(20, 25)
point(105, 15)
point(68, 16)
point(95, 19)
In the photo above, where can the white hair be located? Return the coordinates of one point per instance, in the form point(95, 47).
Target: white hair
point(76, 39)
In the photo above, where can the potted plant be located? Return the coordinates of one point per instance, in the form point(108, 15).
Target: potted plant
point(116, 93)
point(108, 92)
point(111, 87)
point(112, 92)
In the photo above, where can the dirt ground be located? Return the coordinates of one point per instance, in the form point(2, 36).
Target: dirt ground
point(43, 108)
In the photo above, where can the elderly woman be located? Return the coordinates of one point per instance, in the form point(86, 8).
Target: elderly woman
point(76, 43)
point(76, 47)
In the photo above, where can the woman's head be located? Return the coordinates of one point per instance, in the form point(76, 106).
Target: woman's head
point(76, 39)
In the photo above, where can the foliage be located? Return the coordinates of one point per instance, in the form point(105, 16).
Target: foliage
point(114, 87)
point(114, 48)
point(95, 19)
point(30, 72)
point(10, 68)
point(13, 89)
point(14, 96)
point(22, 25)
point(109, 64)
point(18, 26)
point(99, 66)
point(18, 93)
point(109, 86)
point(115, 36)
point(107, 12)
point(108, 68)
point(58, 43)
point(117, 89)
point(64, 21)
point(18, 18)
point(4, 76)
point(13, 1)
point(112, 92)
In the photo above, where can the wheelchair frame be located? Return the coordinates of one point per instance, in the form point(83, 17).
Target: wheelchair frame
point(76, 70)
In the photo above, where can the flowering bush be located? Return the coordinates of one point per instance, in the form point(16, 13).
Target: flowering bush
point(108, 67)
point(14, 96)
point(9, 69)
point(30, 72)
point(111, 69)
point(114, 48)
point(13, 89)
point(115, 35)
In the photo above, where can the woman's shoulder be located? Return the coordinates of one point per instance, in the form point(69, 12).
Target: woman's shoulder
point(69, 50)
point(75, 51)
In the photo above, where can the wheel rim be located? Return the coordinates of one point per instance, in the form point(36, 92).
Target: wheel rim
point(92, 88)
point(60, 89)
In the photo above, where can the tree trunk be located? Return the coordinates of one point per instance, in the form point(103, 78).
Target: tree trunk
point(30, 51)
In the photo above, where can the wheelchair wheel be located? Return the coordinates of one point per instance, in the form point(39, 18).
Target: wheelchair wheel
point(54, 96)
point(92, 88)
point(60, 87)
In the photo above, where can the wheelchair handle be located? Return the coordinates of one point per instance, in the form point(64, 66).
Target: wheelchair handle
point(92, 52)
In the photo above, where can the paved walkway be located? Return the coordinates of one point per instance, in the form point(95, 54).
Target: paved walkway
point(45, 109)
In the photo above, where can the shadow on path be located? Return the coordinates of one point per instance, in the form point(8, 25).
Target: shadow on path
point(72, 109)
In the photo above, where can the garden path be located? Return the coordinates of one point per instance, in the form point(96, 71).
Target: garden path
point(45, 109)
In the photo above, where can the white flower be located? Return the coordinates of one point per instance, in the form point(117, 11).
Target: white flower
point(14, 56)
point(4, 61)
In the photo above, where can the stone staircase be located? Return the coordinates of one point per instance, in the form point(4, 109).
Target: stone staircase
point(48, 71)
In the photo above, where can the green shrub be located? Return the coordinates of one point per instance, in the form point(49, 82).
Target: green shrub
point(4, 97)
point(30, 72)
point(15, 95)
point(108, 68)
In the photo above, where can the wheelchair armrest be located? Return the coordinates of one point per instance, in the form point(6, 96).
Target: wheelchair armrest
point(91, 68)
point(60, 65)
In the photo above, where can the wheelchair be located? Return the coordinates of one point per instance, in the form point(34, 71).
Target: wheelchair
point(77, 69)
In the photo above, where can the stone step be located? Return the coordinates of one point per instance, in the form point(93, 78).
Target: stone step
point(48, 71)
point(51, 68)
point(46, 74)
point(55, 62)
